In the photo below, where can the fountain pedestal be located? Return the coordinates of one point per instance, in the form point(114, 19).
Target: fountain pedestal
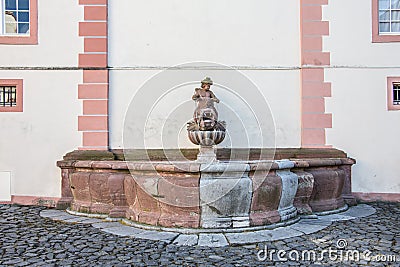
point(207, 154)
point(225, 195)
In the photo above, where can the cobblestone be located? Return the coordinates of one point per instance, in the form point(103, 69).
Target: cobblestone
point(28, 239)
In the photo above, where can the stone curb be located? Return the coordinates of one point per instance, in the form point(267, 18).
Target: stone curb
point(302, 227)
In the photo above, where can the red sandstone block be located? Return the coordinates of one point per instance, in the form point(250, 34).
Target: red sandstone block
point(117, 192)
point(316, 89)
point(95, 76)
point(95, 13)
point(130, 190)
point(92, 60)
point(313, 137)
point(314, 2)
point(96, 139)
point(180, 189)
point(304, 191)
point(92, 123)
point(99, 190)
point(93, 2)
point(316, 74)
point(176, 216)
point(95, 45)
point(95, 107)
point(93, 91)
point(100, 164)
point(80, 187)
point(92, 28)
point(313, 105)
point(316, 58)
point(93, 148)
point(328, 187)
point(315, 28)
point(311, 12)
point(317, 120)
point(119, 166)
point(311, 43)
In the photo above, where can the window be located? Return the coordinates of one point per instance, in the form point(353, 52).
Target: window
point(386, 20)
point(393, 93)
point(18, 21)
point(8, 96)
point(389, 16)
point(16, 17)
point(11, 96)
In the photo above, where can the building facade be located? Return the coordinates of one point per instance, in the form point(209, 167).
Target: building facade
point(70, 70)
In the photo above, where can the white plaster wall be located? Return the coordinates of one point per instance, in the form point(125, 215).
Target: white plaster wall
point(364, 128)
point(59, 43)
point(350, 39)
point(166, 122)
point(231, 32)
point(262, 37)
point(33, 140)
point(362, 125)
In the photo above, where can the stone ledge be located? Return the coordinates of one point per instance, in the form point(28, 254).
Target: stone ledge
point(178, 166)
point(191, 154)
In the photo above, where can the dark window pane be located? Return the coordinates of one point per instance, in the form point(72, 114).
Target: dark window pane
point(11, 4)
point(395, 4)
point(384, 15)
point(395, 15)
point(23, 27)
point(23, 16)
point(23, 4)
point(384, 27)
point(396, 27)
point(384, 4)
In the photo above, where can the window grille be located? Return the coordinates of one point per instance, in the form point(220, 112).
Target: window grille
point(8, 96)
point(396, 93)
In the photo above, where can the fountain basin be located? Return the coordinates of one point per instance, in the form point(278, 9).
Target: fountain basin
point(206, 138)
point(223, 195)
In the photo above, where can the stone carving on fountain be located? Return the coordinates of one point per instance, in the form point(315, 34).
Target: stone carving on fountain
point(205, 129)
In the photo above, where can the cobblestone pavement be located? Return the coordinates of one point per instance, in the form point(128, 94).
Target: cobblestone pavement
point(26, 239)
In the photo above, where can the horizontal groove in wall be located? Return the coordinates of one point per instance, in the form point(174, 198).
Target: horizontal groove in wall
point(198, 68)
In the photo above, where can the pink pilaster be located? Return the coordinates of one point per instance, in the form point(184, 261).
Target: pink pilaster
point(313, 62)
point(93, 123)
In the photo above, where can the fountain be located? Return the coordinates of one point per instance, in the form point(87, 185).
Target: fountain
point(212, 191)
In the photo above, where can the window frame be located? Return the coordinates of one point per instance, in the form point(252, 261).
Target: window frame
point(390, 100)
point(18, 83)
point(28, 39)
point(376, 36)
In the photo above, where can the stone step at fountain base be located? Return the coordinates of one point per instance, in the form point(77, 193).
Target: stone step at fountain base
point(210, 237)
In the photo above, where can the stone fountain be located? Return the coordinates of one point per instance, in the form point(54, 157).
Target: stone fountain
point(210, 191)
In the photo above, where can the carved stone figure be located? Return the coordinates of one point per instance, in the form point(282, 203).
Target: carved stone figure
point(205, 117)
